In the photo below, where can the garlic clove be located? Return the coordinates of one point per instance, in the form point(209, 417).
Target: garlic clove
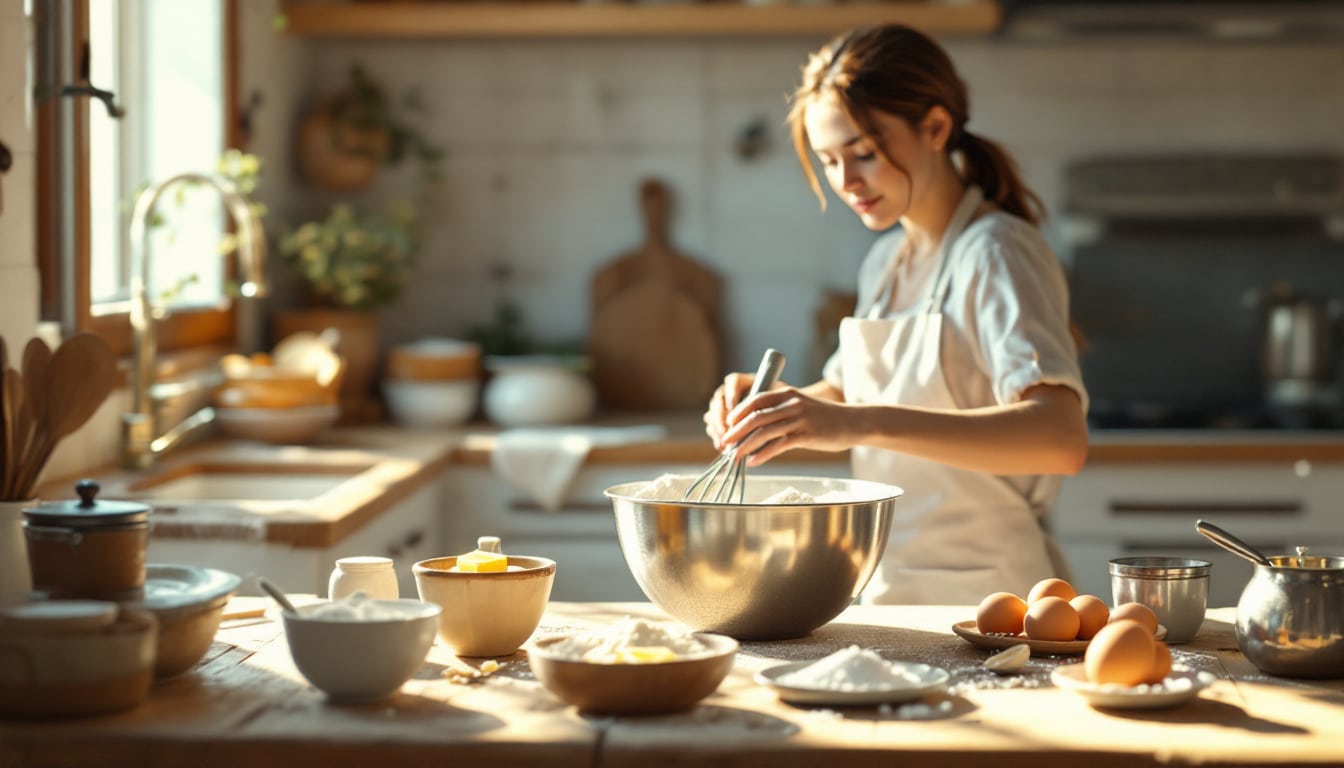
point(1009, 660)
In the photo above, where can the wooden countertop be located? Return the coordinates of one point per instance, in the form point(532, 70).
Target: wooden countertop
point(246, 704)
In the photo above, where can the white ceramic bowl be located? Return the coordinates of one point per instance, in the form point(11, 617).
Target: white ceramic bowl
point(537, 389)
point(431, 404)
point(286, 426)
point(361, 660)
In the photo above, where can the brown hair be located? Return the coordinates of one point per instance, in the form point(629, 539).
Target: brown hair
point(901, 72)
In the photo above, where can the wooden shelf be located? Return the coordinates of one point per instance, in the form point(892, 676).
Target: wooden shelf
point(483, 18)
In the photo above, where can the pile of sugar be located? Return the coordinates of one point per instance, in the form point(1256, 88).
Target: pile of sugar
point(357, 607)
point(850, 669)
point(607, 645)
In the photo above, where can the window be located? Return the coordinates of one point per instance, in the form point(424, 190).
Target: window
point(168, 64)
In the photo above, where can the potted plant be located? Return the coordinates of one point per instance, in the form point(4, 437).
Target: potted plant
point(348, 138)
point(350, 262)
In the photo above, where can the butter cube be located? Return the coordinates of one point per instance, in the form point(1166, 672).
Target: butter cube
point(482, 562)
point(645, 654)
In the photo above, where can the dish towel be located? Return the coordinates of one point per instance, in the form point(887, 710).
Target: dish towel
point(543, 460)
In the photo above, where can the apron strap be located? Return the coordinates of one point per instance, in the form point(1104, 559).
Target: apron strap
point(886, 285)
point(970, 200)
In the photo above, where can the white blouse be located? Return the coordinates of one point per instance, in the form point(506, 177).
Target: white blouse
point(1006, 317)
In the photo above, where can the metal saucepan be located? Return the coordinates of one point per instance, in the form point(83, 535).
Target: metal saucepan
point(1290, 618)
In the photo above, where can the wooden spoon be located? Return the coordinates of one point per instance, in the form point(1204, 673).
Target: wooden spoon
point(78, 380)
point(36, 359)
point(11, 402)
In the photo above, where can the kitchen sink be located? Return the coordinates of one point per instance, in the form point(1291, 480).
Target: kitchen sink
point(232, 481)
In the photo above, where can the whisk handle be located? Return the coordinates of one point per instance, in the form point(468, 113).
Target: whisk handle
point(772, 364)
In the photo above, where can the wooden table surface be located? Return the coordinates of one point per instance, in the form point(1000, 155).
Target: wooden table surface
point(246, 705)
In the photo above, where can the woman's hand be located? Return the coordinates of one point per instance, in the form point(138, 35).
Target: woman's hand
point(783, 419)
point(734, 387)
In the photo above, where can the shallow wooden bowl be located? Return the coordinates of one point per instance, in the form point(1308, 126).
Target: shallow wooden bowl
point(634, 689)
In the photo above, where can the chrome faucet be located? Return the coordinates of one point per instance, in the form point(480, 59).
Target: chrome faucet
point(141, 438)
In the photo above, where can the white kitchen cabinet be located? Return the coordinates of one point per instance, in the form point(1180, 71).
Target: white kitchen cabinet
point(1126, 510)
point(408, 532)
point(580, 536)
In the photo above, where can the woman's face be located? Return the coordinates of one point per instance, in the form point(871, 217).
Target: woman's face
point(879, 192)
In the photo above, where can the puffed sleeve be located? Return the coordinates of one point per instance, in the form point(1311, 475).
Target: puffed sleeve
point(1020, 303)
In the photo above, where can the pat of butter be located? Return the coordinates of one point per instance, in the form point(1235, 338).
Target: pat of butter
point(482, 562)
point(632, 654)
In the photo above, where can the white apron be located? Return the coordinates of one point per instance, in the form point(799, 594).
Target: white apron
point(956, 535)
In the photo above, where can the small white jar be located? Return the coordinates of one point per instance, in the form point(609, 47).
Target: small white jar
point(374, 576)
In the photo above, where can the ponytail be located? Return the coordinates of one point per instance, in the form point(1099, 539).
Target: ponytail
point(988, 166)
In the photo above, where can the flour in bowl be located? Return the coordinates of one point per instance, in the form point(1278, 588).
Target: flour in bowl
point(664, 488)
point(630, 641)
point(850, 669)
point(354, 608)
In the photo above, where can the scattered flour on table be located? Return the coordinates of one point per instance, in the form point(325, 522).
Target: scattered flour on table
point(850, 669)
point(630, 640)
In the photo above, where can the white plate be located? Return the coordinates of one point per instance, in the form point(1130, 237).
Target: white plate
point(1181, 685)
point(930, 679)
point(966, 631)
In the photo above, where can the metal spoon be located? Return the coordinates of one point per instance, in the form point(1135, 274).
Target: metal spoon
point(1231, 543)
point(277, 595)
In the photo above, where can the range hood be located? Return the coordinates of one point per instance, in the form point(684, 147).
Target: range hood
point(1174, 19)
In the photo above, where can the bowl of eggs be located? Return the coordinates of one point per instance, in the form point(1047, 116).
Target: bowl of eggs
point(1125, 666)
point(1053, 619)
point(633, 667)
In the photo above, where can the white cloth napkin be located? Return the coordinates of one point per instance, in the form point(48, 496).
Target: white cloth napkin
point(543, 460)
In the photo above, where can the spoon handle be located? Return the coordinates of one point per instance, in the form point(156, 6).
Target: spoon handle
point(1231, 543)
point(275, 593)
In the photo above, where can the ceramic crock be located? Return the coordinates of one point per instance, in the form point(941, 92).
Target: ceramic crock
point(88, 548)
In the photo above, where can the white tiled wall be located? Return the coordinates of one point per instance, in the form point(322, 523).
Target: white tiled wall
point(547, 142)
point(18, 257)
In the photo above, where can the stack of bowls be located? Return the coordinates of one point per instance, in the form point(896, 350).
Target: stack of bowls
point(433, 383)
point(288, 396)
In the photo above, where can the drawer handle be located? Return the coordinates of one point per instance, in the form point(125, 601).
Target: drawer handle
point(1206, 508)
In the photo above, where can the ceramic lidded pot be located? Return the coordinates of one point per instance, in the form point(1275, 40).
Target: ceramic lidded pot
point(87, 548)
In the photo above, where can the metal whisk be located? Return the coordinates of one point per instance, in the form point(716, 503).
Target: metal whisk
point(727, 476)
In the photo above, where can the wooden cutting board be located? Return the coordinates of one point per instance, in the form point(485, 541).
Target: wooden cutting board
point(654, 338)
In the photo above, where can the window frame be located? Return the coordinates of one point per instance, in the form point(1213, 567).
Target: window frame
point(63, 259)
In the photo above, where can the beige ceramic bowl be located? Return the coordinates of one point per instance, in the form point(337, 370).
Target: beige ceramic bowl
point(486, 614)
point(74, 657)
point(434, 360)
point(189, 603)
point(633, 689)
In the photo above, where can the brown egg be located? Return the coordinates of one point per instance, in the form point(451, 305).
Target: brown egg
point(1136, 611)
point(1051, 618)
point(1161, 663)
point(1001, 612)
point(1121, 653)
point(1092, 615)
point(1049, 588)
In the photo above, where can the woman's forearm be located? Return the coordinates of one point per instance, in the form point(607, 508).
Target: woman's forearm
point(1043, 434)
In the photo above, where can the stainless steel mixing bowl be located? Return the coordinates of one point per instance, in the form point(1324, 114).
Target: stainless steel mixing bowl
point(756, 571)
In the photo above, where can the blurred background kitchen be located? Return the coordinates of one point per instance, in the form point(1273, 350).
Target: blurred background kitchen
point(1188, 153)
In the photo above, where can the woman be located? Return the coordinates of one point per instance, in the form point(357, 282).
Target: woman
point(956, 378)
